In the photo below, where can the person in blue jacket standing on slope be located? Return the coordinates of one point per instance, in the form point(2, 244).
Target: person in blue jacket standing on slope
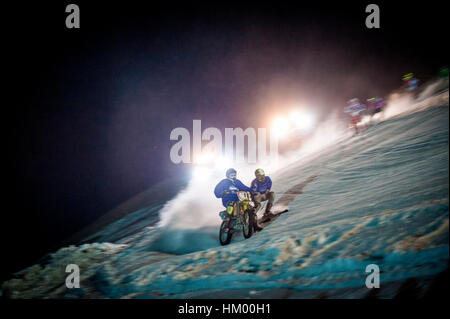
point(227, 190)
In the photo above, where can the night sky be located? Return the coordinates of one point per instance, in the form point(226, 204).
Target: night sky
point(89, 111)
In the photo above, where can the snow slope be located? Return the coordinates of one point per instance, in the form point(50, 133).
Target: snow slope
point(380, 197)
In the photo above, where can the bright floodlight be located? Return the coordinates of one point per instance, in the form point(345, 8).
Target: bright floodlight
point(280, 126)
point(294, 116)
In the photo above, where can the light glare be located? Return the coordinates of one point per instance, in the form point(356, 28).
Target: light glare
point(200, 173)
point(280, 126)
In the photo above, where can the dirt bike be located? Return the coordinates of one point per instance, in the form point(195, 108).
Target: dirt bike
point(242, 218)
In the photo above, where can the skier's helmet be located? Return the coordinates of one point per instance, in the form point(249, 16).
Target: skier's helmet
point(231, 174)
point(353, 102)
point(260, 175)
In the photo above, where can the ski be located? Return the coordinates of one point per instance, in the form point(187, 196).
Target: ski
point(264, 221)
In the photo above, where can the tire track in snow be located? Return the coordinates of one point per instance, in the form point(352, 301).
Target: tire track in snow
point(293, 192)
point(289, 196)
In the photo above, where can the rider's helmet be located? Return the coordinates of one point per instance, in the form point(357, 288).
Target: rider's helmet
point(260, 175)
point(231, 174)
point(408, 77)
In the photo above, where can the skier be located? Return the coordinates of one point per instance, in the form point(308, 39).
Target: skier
point(261, 186)
point(354, 108)
point(375, 105)
point(410, 83)
point(227, 190)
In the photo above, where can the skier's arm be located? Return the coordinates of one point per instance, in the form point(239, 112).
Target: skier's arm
point(269, 185)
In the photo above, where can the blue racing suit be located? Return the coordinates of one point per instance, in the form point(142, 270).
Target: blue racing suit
point(261, 188)
point(229, 185)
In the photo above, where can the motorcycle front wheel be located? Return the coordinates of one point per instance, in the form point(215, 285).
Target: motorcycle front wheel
point(247, 223)
point(224, 235)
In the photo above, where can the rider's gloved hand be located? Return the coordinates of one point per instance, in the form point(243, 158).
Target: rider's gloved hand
point(227, 192)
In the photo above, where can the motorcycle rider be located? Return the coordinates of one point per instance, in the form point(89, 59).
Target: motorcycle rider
point(227, 190)
point(261, 186)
